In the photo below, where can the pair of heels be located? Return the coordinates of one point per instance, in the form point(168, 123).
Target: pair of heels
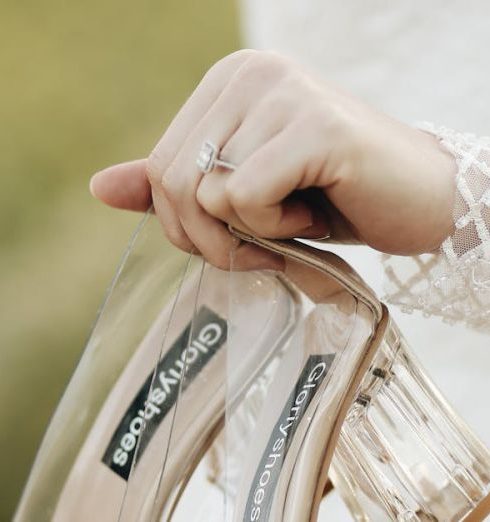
point(303, 374)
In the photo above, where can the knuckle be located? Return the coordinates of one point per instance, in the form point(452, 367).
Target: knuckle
point(236, 58)
point(157, 165)
point(169, 187)
point(153, 172)
point(292, 82)
point(265, 65)
point(299, 88)
point(211, 202)
point(178, 238)
point(278, 105)
point(269, 58)
point(241, 55)
point(237, 195)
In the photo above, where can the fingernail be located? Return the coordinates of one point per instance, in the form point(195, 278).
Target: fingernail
point(317, 232)
point(299, 213)
point(94, 180)
point(321, 238)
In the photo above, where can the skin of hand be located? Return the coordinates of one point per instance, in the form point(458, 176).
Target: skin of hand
point(311, 160)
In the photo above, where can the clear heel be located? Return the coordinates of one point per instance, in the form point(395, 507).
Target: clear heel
point(403, 453)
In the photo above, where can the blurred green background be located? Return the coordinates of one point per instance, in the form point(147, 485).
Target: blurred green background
point(83, 85)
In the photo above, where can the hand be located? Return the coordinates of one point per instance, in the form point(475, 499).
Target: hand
point(311, 160)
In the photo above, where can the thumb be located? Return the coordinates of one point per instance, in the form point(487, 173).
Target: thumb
point(123, 186)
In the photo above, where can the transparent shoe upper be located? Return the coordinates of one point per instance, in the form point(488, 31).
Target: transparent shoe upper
point(148, 396)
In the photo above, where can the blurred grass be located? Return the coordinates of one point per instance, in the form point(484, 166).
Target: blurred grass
point(83, 85)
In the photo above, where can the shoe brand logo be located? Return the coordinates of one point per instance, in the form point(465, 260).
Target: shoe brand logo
point(259, 502)
point(194, 347)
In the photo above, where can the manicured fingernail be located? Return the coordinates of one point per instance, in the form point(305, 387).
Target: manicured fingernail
point(301, 214)
point(320, 238)
point(296, 217)
point(93, 184)
point(318, 231)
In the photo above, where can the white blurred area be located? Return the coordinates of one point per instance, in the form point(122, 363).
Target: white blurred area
point(417, 61)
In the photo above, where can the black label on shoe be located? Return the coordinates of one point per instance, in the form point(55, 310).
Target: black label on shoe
point(145, 413)
point(259, 502)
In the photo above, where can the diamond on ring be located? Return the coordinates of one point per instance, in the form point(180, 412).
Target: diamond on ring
point(208, 159)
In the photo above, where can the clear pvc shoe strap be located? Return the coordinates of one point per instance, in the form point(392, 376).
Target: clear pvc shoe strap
point(107, 443)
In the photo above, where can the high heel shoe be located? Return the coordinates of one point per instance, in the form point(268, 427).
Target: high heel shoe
point(306, 345)
point(348, 387)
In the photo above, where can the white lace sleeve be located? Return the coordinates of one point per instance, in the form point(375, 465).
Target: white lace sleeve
point(453, 283)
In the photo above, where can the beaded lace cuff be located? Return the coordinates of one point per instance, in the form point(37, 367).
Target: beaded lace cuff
point(454, 283)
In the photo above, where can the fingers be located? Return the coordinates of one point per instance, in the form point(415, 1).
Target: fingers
point(172, 225)
point(126, 186)
point(217, 194)
point(209, 235)
point(259, 196)
point(260, 189)
point(179, 183)
point(239, 107)
point(181, 178)
point(204, 96)
point(173, 177)
point(123, 186)
point(250, 135)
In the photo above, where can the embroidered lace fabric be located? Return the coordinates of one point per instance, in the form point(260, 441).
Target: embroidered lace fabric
point(453, 283)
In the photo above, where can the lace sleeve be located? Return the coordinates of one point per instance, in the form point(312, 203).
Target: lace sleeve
point(453, 283)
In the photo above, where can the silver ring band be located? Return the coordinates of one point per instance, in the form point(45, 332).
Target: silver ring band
point(208, 159)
